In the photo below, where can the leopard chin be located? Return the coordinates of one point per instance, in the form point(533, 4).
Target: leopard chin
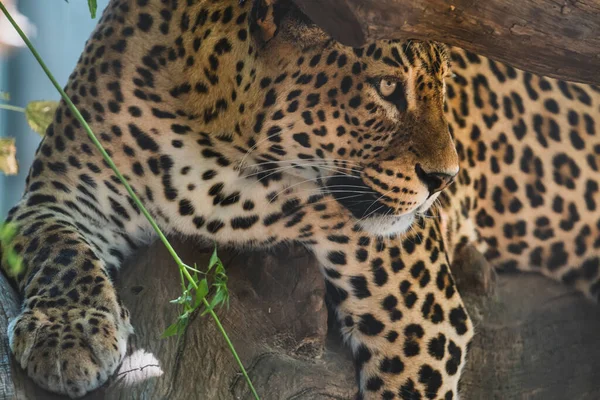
point(388, 225)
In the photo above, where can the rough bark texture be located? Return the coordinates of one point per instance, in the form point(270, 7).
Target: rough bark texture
point(535, 340)
point(557, 38)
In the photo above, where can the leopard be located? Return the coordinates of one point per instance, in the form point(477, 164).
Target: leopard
point(245, 124)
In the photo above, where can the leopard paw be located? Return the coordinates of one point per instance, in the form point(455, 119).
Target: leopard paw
point(70, 351)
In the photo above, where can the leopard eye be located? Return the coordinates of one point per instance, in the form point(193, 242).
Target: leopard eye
point(387, 87)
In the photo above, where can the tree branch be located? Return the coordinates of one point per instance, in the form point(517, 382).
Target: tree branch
point(560, 39)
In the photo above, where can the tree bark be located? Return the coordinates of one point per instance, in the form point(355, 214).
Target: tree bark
point(557, 38)
point(535, 339)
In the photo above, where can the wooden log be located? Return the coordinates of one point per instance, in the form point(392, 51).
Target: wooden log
point(560, 39)
point(535, 339)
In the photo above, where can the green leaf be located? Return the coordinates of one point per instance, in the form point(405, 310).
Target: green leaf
point(14, 262)
point(183, 320)
point(7, 232)
point(220, 272)
point(217, 300)
point(12, 258)
point(201, 292)
point(39, 115)
point(172, 330)
point(178, 327)
point(93, 7)
point(214, 259)
point(190, 287)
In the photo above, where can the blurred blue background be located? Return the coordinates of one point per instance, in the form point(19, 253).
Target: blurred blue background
point(62, 30)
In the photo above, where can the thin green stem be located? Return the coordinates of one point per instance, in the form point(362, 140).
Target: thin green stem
point(231, 348)
point(130, 191)
point(12, 108)
point(225, 336)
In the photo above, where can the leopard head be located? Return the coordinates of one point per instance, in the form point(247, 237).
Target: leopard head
point(365, 124)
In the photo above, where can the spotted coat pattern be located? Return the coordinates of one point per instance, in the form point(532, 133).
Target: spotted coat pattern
point(243, 123)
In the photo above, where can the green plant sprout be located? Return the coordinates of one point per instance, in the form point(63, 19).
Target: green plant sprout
point(196, 290)
point(192, 298)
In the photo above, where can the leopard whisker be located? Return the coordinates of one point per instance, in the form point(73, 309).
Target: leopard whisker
point(300, 183)
point(380, 197)
point(364, 217)
point(302, 160)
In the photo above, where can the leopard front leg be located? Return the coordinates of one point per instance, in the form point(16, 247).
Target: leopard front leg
point(72, 332)
point(399, 311)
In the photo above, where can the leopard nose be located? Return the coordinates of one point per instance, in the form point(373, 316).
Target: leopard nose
point(435, 181)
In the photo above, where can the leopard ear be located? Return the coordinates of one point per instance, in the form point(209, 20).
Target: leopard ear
point(266, 18)
point(271, 18)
